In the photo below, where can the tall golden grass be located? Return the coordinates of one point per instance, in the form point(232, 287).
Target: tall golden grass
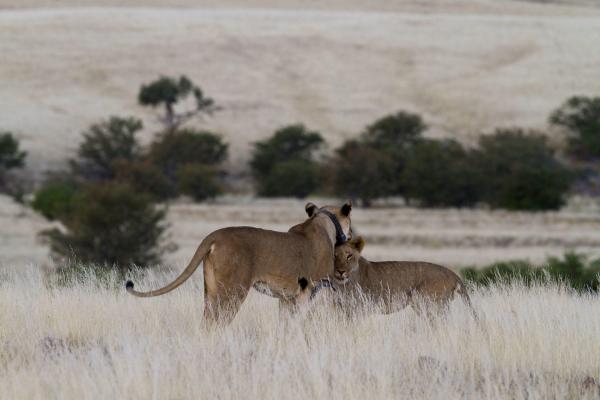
point(92, 341)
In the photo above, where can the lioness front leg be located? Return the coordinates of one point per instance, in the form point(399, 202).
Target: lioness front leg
point(289, 305)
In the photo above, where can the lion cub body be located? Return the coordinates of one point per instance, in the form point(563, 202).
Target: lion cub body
point(394, 284)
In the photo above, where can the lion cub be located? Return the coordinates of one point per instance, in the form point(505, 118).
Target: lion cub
point(393, 284)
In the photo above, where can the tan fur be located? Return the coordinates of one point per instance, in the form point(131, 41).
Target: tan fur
point(394, 284)
point(238, 258)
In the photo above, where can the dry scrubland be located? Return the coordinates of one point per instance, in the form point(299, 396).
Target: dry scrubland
point(95, 343)
point(467, 66)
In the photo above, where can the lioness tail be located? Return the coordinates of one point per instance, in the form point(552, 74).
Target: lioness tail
point(201, 252)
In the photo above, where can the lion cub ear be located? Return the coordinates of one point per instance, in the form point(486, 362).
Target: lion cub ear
point(346, 208)
point(310, 209)
point(358, 244)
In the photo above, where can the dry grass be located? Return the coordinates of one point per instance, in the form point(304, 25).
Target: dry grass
point(86, 341)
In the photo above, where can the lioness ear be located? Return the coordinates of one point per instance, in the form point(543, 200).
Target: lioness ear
point(310, 209)
point(346, 208)
point(358, 243)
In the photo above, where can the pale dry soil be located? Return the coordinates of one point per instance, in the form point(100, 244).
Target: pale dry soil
point(89, 341)
point(455, 238)
point(466, 65)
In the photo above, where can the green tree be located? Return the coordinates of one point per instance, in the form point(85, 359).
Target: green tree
point(297, 178)
point(199, 181)
point(580, 117)
point(188, 146)
point(54, 199)
point(168, 92)
point(103, 145)
point(441, 173)
point(395, 133)
point(111, 225)
point(362, 172)
point(293, 143)
point(145, 177)
point(521, 172)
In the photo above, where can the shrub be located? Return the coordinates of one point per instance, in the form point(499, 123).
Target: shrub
point(521, 172)
point(110, 224)
point(441, 173)
point(293, 143)
point(363, 172)
point(175, 149)
point(145, 177)
point(10, 157)
point(573, 270)
point(167, 91)
point(198, 181)
point(10, 154)
point(103, 145)
point(297, 178)
point(504, 273)
point(580, 117)
point(54, 199)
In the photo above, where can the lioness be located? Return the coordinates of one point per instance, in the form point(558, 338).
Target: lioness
point(279, 263)
point(393, 284)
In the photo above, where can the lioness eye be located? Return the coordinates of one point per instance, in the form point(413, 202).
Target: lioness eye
point(349, 256)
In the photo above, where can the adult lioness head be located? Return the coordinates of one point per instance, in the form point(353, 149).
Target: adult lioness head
point(340, 217)
point(346, 259)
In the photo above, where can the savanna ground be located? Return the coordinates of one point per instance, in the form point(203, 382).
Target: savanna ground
point(85, 340)
point(467, 66)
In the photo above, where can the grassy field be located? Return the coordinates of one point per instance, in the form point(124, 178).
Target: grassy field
point(93, 342)
point(466, 65)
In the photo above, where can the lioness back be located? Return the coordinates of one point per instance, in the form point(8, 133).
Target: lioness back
point(263, 249)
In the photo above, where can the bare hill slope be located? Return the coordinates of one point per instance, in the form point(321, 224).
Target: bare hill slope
point(466, 65)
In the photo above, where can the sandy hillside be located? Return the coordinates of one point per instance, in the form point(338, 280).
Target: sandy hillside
point(466, 65)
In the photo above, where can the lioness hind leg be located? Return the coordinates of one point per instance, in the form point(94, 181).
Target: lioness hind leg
point(223, 307)
point(223, 295)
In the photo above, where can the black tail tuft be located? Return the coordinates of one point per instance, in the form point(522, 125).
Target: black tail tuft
point(303, 282)
point(129, 285)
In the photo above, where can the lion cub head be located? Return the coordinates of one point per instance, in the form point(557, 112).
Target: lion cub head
point(346, 259)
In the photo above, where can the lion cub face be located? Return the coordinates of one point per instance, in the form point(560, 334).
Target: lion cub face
point(346, 259)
